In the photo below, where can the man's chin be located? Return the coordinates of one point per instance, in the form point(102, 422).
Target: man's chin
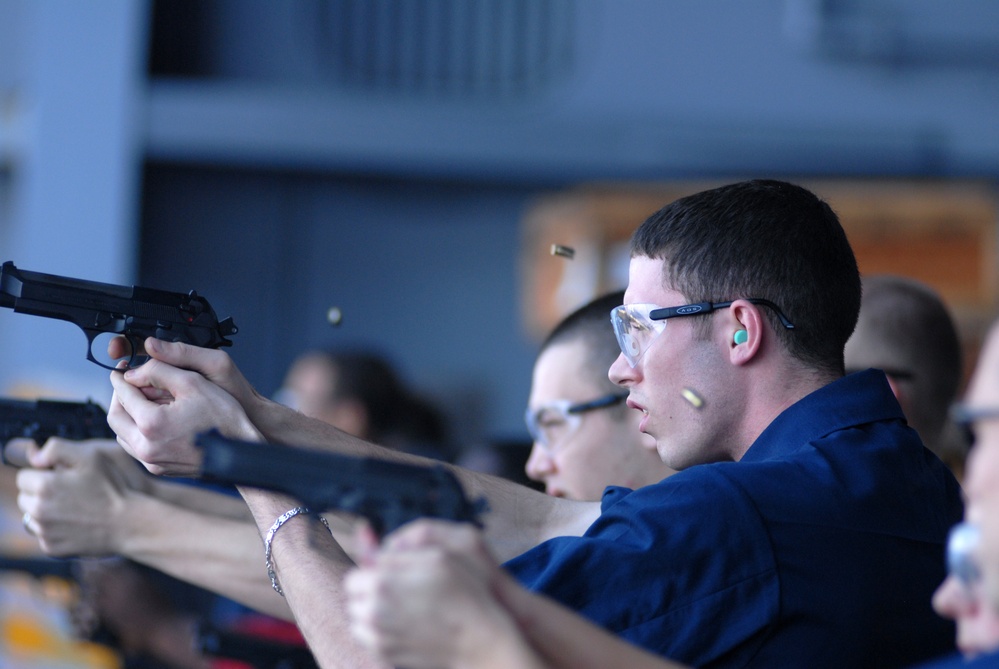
point(669, 457)
point(649, 442)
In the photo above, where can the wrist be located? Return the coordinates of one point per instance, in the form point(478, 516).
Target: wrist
point(258, 409)
point(130, 531)
point(269, 540)
point(496, 642)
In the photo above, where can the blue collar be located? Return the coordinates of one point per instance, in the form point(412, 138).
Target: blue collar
point(855, 399)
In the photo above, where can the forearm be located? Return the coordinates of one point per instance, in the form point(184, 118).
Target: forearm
point(310, 568)
point(563, 638)
point(518, 518)
point(491, 639)
point(213, 552)
point(201, 500)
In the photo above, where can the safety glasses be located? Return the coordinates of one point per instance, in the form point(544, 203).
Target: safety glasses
point(962, 545)
point(552, 423)
point(965, 416)
point(637, 325)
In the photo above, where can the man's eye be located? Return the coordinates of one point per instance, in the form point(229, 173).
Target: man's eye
point(553, 423)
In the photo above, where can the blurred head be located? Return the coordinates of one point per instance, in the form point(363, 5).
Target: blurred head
point(779, 256)
point(962, 596)
point(353, 391)
point(585, 437)
point(905, 329)
point(980, 412)
point(360, 393)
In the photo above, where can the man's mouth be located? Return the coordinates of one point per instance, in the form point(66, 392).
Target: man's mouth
point(645, 413)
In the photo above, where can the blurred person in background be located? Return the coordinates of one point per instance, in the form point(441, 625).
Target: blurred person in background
point(585, 436)
point(361, 393)
point(906, 330)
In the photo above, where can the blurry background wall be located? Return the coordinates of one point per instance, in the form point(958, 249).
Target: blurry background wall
point(387, 157)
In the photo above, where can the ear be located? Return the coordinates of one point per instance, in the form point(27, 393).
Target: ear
point(744, 329)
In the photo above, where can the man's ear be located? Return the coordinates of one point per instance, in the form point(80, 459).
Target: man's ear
point(745, 326)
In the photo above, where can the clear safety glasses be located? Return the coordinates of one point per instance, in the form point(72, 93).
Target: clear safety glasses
point(637, 325)
point(552, 423)
point(962, 545)
point(965, 416)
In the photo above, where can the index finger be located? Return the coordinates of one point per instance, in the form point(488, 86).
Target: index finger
point(17, 452)
point(121, 348)
point(127, 402)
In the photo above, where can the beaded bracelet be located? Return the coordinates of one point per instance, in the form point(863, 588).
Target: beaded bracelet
point(281, 520)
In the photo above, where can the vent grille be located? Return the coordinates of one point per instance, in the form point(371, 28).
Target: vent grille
point(449, 48)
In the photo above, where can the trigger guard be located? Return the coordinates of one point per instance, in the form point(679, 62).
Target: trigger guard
point(138, 355)
point(133, 359)
point(91, 338)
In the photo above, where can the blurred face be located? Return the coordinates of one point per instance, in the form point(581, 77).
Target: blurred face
point(676, 362)
point(982, 475)
point(309, 388)
point(594, 449)
point(309, 385)
point(869, 347)
point(964, 600)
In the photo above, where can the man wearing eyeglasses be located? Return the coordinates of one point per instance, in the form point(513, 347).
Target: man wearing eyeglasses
point(805, 527)
point(981, 414)
point(970, 594)
point(585, 437)
point(962, 596)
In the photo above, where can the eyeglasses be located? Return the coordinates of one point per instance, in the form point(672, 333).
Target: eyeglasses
point(637, 325)
point(962, 544)
point(965, 416)
point(554, 422)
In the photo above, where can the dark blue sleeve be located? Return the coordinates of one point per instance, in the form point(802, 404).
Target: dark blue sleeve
point(957, 661)
point(683, 568)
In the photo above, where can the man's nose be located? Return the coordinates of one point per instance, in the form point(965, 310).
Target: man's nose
point(540, 464)
point(952, 600)
point(621, 373)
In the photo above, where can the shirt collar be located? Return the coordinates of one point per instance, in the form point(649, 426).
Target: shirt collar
point(855, 399)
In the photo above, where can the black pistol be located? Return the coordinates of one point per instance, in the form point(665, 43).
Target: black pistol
point(259, 653)
point(107, 309)
point(389, 494)
point(40, 419)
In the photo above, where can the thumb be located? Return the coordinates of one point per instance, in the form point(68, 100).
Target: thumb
point(17, 452)
point(367, 545)
point(56, 452)
point(181, 355)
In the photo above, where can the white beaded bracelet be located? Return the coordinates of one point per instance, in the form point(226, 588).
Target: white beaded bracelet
point(281, 520)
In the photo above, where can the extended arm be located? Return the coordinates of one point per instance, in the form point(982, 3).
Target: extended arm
point(85, 500)
point(159, 407)
point(310, 567)
point(194, 498)
point(434, 597)
point(566, 640)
